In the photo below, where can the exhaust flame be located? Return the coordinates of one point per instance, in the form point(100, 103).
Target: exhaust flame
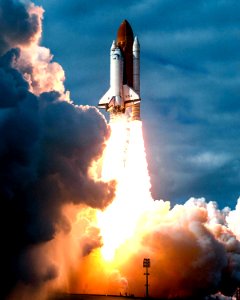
point(194, 248)
point(124, 161)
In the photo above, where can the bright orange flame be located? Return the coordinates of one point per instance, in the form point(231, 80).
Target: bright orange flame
point(125, 161)
point(134, 226)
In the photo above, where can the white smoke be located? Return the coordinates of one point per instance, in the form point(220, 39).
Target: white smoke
point(36, 62)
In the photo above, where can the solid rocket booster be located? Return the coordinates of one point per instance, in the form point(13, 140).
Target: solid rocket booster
point(136, 78)
point(124, 92)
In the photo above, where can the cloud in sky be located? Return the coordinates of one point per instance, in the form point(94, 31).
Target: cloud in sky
point(189, 79)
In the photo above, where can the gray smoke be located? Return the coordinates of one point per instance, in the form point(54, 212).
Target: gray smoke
point(17, 26)
point(47, 146)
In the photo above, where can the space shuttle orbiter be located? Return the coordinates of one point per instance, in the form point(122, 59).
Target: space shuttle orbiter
point(124, 91)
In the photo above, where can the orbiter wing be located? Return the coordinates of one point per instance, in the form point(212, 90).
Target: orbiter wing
point(129, 97)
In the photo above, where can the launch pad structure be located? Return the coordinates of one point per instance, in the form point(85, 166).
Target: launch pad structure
point(146, 264)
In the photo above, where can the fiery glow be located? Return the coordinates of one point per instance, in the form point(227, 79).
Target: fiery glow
point(124, 161)
point(104, 251)
point(187, 243)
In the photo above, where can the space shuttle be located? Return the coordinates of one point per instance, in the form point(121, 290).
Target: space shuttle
point(123, 95)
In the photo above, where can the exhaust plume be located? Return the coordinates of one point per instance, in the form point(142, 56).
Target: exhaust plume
point(194, 248)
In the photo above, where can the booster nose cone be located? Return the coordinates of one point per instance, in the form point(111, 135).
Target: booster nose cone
point(124, 35)
point(136, 45)
point(113, 47)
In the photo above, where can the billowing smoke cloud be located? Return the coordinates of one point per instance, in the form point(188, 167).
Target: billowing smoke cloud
point(47, 146)
point(21, 26)
point(17, 26)
point(192, 250)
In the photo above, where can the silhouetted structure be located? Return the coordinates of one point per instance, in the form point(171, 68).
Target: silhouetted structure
point(146, 264)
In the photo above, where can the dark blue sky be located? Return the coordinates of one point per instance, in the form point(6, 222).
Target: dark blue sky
point(190, 83)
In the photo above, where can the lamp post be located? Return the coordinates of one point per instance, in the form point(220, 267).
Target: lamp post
point(146, 264)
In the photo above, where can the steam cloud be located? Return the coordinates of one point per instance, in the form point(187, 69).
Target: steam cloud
point(47, 146)
point(194, 250)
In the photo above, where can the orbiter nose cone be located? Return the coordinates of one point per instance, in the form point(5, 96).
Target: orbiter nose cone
point(125, 34)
